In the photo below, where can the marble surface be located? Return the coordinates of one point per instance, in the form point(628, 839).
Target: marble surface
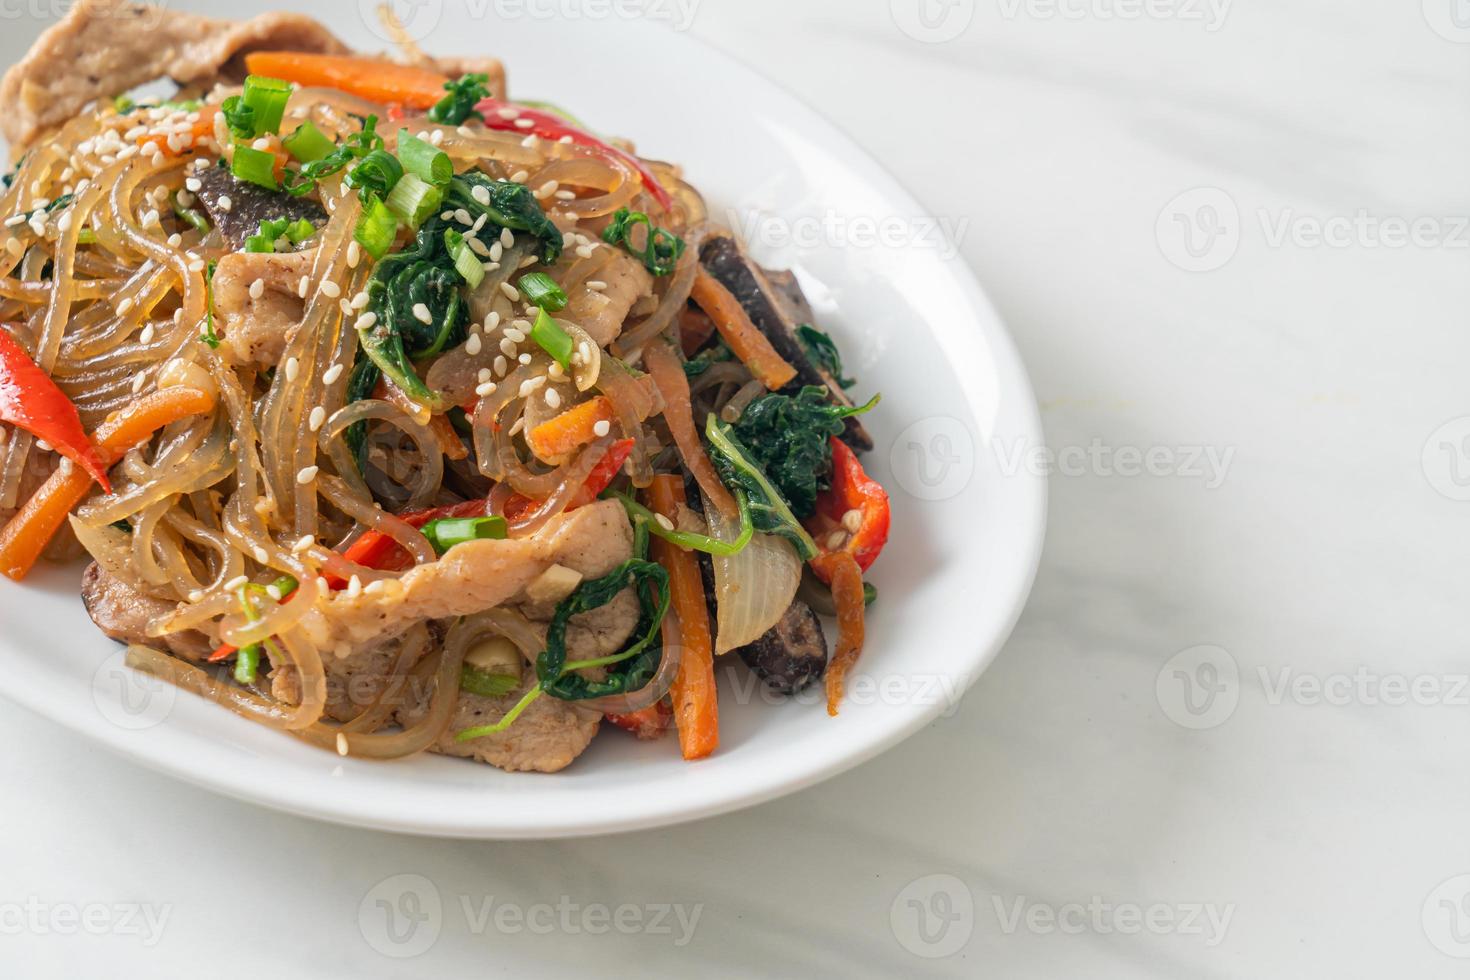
point(1228, 737)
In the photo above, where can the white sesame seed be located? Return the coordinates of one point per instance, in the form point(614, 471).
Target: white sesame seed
point(175, 240)
point(507, 238)
point(525, 123)
point(509, 112)
point(565, 196)
point(547, 189)
point(354, 255)
point(330, 289)
point(303, 545)
point(529, 386)
point(472, 346)
point(507, 347)
point(138, 383)
point(15, 220)
point(261, 555)
point(342, 744)
point(584, 251)
point(274, 591)
point(333, 373)
point(553, 400)
point(124, 305)
point(257, 289)
point(307, 474)
point(293, 368)
point(519, 425)
point(224, 202)
point(524, 359)
point(496, 251)
point(530, 141)
point(317, 418)
point(366, 321)
point(193, 185)
point(601, 428)
point(515, 335)
point(421, 313)
point(354, 587)
point(196, 596)
point(145, 336)
point(664, 522)
point(501, 365)
point(463, 217)
point(481, 194)
point(510, 292)
point(853, 521)
point(360, 300)
point(261, 144)
point(302, 286)
point(236, 582)
point(596, 285)
point(345, 307)
point(836, 540)
point(485, 389)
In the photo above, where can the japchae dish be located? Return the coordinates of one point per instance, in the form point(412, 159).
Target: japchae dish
point(400, 415)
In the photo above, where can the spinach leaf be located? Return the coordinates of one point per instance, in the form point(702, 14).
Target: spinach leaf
point(403, 286)
point(299, 183)
point(789, 438)
point(639, 661)
point(823, 352)
point(768, 509)
point(508, 205)
point(459, 105)
point(701, 362)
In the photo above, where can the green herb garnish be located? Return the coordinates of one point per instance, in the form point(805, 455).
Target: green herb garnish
point(465, 93)
point(661, 249)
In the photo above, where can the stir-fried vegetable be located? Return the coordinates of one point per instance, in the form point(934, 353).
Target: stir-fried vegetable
point(769, 510)
point(30, 399)
point(661, 249)
point(637, 664)
point(789, 438)
point(572, 429)
point(690, 540)
point(823, 352)
point(299, 183)
point(743, 336)
point(695, 699)
point(446, 532)
point(841, 569)
point(29, 531)
point(853, 515)
point(553, 127)
point(541, 290)
point(551, 338)
point(663, 367)
point(459, 105)
point(507, 205)
point(372, 78)
point(273, 235)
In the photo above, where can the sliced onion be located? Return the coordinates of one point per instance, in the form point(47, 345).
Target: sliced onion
point(753, 589)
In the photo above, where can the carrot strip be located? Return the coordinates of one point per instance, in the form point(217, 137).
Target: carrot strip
point(371, 78)
point(696, 701)
point(744, 338)
point(668, 376)
point(650, 723)
point(841, 569)
point(570, 430)
point(32, 528)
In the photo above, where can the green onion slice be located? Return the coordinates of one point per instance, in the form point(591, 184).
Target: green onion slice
point(413, 200)
point(541, 290)
point(424, 160)
point(308, 144)
point(255, 166)
point(267, 98)
point(376, 228)
point(447, 532)
point(553, 339)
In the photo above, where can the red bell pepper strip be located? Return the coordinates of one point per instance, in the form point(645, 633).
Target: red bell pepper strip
point(550, 126)
point(377, 550)
point(650, 723)
point(852, 490)
point(30, 399)
point(597, 481)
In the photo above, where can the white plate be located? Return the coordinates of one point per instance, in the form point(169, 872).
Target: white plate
point(957, 410)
